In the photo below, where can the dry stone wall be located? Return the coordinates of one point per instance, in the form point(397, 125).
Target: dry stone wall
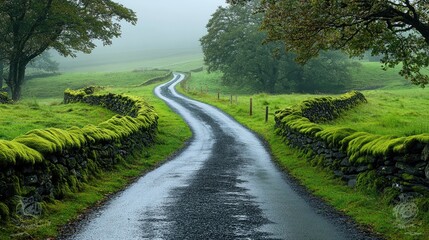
point(47, 164)
point(361, 159)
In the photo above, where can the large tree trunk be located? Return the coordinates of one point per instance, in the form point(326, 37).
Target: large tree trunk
point(16, 78)
point(1, 74)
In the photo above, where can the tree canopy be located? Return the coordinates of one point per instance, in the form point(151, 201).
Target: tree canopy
point(44, 62)
point(398, 30)
point(234, 46)
point(28, 28)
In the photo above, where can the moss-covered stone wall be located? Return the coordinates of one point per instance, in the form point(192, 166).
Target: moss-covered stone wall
point(376, 162)
point(46, 164)
point(167, 76)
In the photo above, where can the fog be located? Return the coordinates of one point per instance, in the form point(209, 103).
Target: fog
point(164, 28)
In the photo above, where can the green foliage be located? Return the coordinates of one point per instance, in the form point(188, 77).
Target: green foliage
point(44, 63)
point(67, 27)
point(234, 46)
point(397, 30)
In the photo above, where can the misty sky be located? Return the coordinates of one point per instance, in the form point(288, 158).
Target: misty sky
point(167, 23)
point(163, 26)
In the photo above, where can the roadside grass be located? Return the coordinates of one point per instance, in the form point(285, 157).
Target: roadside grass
point(367, 208)
point(172, 135)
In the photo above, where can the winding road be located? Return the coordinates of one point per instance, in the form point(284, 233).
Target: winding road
point(222, 186)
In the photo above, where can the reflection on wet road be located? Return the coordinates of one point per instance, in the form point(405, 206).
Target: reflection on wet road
point(222, 186)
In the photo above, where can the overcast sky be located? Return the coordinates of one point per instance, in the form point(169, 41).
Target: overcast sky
point(163, 25)
point(168, 23)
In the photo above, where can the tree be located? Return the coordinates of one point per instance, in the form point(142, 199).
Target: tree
point(234, 46)
point(1, 74)
point(29, 28)
point(44, 62)
point(396, 29)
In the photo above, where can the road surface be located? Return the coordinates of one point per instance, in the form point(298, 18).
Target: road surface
point(222, 186)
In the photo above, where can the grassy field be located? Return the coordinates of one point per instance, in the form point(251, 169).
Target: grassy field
point(20, 118)
point(42, 88)
point(398, 112)
point(126, 62)
point(386, 113)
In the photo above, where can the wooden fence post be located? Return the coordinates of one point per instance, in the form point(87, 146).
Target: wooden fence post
point(266, 114)
point(251, 106)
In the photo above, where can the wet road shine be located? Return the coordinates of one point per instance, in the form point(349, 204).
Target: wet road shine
point(222, 186)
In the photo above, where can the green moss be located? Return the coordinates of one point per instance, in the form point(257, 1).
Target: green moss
point(334, 135)
point(411, 141)
point(59, 172)
point(74, 184)
point(328, 108)
point(407, 177)
point(364, 144)
point(4, 212)
point(12, 152)
point(390, 194)
point(370, 182)
point(16, 185)
point(51, 140)
point(93, 168)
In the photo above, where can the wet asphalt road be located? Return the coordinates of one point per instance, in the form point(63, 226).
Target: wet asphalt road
point(222, 186)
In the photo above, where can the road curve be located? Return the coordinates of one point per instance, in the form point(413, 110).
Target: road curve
point(222, 186)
